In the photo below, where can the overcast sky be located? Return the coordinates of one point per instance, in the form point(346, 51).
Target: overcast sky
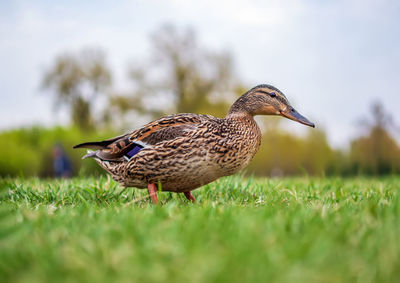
point(330, 58)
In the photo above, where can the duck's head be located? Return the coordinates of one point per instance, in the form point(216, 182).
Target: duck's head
point(267, 100)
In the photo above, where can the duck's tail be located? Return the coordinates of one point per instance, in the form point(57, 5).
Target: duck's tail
point(93, 145)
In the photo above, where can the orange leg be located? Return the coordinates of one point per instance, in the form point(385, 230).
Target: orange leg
point(190, 196)
point(152, 188)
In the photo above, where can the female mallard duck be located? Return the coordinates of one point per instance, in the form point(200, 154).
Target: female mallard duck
point(186, 151)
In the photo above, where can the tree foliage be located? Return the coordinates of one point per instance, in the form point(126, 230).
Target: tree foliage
point(179, 76)
point(77, 80)
point(377, 152)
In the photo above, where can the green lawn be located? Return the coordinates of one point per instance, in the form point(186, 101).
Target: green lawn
point(240, 230)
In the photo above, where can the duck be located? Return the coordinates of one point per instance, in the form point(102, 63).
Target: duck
point(182, 152)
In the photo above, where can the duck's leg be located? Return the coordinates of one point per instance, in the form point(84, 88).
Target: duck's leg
point(189, 196)
point(152, 188)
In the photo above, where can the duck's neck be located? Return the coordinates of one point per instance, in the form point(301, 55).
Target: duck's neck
point(240, 116)
point(242, 125)
point(239, 109)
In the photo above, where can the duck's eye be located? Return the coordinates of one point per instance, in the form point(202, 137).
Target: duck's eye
point(272, 94)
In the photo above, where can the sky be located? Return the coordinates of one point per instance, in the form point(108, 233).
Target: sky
point(332, 59)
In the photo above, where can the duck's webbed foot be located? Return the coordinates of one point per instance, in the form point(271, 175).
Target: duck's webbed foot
point(152, 188)
point(189, 196)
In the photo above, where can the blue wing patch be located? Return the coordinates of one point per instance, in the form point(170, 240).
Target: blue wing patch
point(133, 151)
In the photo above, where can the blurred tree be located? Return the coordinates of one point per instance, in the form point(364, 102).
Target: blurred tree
point(181, 77)
point(283, 153)
point(377, 152)
point(77, 81)
point(317, 154)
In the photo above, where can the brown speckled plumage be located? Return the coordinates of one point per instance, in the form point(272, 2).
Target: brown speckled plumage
point(186, 151)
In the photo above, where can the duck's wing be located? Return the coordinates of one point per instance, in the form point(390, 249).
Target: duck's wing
point(124, 147)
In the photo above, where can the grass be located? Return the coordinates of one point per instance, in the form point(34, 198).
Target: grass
point(241, 230)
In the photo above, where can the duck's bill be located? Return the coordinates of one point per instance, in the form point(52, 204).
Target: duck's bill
point(292, 114)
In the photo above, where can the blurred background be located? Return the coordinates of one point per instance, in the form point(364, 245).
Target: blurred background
point(75, 71)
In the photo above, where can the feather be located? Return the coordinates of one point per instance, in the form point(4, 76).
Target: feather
point(90, 153)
